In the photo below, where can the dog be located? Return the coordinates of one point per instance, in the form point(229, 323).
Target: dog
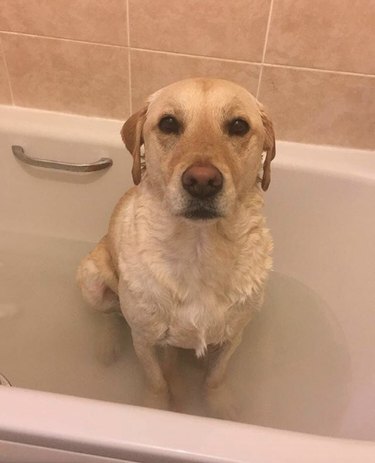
point(187, 252)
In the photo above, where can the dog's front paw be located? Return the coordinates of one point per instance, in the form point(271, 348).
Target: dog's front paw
point(221, 403)
point(159, 400)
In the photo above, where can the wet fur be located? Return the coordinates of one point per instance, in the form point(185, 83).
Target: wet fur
point(179, 281)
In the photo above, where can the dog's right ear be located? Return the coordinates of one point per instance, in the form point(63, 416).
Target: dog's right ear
point(131, 134)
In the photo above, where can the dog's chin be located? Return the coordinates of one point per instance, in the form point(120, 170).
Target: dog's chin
point(196, 210)
point(199, 210)
point(201, 213)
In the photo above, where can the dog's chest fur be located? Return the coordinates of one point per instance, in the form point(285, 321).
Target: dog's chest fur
point(174, 288)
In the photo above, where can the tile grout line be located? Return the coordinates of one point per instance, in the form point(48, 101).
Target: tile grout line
point(259, 80)
point(265, 48)
point(63, 39)
point(324, 71)
point(149, 50)
point(129, 58)
point(254, 63)
point(2, 50)
point(212, 58)
point(187, 55)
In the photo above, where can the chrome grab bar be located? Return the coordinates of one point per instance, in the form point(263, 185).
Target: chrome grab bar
point(101, 164)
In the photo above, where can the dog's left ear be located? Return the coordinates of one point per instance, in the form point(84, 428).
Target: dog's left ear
point(131, 134)
point(269, 147)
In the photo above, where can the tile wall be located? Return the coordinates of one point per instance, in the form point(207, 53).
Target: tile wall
point(312, 63)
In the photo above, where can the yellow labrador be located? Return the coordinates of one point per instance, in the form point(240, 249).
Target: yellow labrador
point(187, 251)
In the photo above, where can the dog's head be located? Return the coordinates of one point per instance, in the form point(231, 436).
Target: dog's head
point(203, 142)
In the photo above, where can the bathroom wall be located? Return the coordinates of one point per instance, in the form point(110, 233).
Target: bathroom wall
point(311, 62)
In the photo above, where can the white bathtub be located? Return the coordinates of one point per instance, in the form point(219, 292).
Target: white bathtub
point(304, 376)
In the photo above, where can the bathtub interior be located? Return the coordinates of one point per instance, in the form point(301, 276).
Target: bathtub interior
point(305, 363)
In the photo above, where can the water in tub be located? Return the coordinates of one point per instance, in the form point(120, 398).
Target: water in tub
point(280, 376)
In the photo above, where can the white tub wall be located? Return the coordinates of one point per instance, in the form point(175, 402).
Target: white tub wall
point(34, 192)
point(78, 207)
point(320, 212)
point(317, 177)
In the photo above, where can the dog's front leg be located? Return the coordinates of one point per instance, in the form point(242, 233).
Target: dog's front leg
point(157, 393)
point(219, 398)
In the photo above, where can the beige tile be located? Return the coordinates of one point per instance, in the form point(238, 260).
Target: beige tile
point(320, 107)
point(334, 34)
point(5, 97)
point(68, 76)
point(224, 29)
point(87, 20)
point(153, 70)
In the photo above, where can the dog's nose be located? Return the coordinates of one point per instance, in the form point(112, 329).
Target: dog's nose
point(202, 180)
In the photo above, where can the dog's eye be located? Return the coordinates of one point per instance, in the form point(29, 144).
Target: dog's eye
point(169, 124)
point(238, 127)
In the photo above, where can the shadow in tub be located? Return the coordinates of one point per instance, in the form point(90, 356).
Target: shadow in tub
point(291, 371)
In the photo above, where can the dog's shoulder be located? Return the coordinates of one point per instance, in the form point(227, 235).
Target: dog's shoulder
point(119, 214)
point(120, 208)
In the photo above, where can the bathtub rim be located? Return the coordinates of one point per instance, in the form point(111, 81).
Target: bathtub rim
point(140, 434)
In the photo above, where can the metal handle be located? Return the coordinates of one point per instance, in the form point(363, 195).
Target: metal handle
point(101, 164)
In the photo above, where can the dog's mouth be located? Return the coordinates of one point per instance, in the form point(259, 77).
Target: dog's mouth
point(201, 210)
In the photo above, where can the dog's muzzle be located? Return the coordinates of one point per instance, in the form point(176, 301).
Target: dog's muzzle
point(203, 182)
